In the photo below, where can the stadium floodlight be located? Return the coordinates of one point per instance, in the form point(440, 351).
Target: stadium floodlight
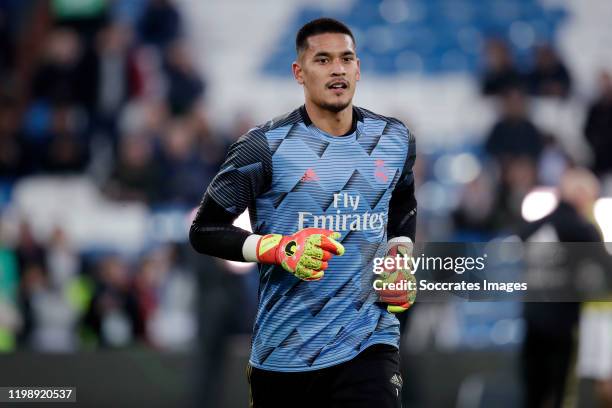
point(538, 203)
point(603, 216)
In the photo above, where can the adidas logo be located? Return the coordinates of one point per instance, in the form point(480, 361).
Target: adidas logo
point(396, 380)
point(310, 175)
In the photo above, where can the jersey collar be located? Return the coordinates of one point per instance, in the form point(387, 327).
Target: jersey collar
point(357, 117)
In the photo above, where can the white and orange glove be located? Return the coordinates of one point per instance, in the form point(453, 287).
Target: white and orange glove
point(397, 300)
point(304, 254)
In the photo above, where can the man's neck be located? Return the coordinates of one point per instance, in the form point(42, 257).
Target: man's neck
point(333, 123)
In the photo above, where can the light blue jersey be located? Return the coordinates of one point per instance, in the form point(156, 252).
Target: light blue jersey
point(291, 175)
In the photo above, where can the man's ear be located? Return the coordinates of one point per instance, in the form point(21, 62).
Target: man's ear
point(297, 72)
point(358, 76)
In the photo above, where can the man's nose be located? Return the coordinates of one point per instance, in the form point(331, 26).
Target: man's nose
point(338, 68)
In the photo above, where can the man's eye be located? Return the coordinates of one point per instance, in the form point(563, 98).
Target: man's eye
point(322, 60)
point(348, 59)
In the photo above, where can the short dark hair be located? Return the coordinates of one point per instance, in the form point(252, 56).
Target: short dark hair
point(320, 26)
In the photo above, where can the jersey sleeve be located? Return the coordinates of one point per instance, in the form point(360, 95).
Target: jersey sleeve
point(403, 204)
point(407, 176)
point(212, 232)
point(245, 174)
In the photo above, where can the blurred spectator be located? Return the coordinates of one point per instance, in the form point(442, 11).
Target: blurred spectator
point(160, 24)
point(594, 349)
point(59, 78)
point(549, 76)
point(500, 71)
point(31, 258)
point(128, 11)
point(549, 339)
point(476, 211)
point(12, 153)
point(50, 318)
point(29, 251)
point(173, 326)
point(146, 116)
point(514, 134)
point(242, 122)
point(66, 152)
point(32, 278)
point(6, 41)
point(10, 316)
point(185, 87)
point(184, 172)
point(598, 129)
point(213, 145)
point(136, 176)
point(113, 314)
point(86, 17)
point(54, 317)
point(149, 62)
point(62, 260)
point(9, 279)
point(148, 283)
point(114, 77)
point(518, 177)
point(166, 299)
point(553, 161)
point(10, 323)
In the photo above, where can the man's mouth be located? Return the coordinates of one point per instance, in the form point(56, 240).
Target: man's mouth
point(338, 85)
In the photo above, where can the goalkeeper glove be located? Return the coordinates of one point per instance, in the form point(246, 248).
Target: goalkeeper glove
point(398, 300)
point(304, 254)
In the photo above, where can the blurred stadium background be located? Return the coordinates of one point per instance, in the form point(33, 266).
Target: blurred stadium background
point(115, 115)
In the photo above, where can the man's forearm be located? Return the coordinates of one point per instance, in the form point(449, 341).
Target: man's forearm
point(212, 233)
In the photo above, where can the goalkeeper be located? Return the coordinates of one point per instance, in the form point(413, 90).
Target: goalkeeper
point(326, 186)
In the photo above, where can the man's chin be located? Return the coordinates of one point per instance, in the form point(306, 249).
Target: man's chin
point(335, 106)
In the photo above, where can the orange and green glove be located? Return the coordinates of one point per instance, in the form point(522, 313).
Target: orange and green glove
point(304, 254)
point(398, 300)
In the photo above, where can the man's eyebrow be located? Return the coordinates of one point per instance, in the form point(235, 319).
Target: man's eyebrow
point(328, 54)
